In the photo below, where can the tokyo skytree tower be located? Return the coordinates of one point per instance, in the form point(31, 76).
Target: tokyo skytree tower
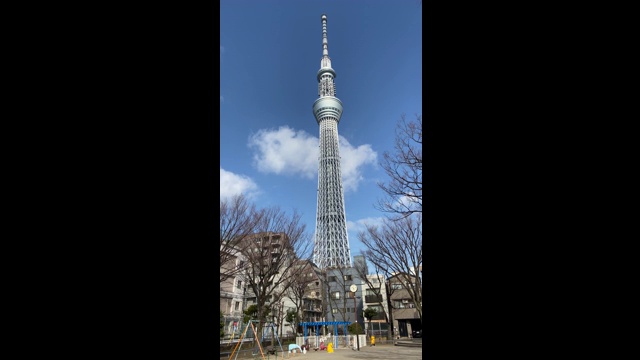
point(331, 247)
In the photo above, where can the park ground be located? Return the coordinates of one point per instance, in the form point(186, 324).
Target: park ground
point(378, 352)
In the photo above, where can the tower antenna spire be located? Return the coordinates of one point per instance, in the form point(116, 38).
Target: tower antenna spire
point(325, 41)
point(326, 60)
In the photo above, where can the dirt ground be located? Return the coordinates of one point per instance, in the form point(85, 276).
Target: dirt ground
point(378, 352)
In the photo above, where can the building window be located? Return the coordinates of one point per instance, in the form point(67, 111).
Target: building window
point(347, 277)
point(336, 295)
point(237, 305)
point(403, 304)
point(332, 279)
point(239, 284)
point(334, 311)
point(374, 291)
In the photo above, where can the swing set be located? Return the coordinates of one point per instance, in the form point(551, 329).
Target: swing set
point(258, 349)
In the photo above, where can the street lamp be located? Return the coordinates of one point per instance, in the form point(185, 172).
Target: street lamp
point(353, 289)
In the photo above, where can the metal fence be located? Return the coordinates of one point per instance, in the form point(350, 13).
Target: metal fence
point(234, 329)
point(339, 342)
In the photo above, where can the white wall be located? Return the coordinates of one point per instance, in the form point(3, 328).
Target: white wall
point(333, 339)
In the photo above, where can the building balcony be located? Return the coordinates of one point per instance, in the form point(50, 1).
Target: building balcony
point(313, 319)
point(233, 315)
point(379, 316)
point(373, 298)
point(407, 313)
point(404, 305)
point(231, 294)
point(313, 309)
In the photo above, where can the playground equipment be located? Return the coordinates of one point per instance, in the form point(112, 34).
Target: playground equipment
point(317, 325)
point(293, 348)
point(258, 349)
point(275, 334)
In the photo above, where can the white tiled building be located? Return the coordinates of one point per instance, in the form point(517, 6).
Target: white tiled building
point(232, 298)
point(371, 300)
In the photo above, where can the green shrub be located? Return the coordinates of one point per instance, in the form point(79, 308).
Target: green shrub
point(355, 329)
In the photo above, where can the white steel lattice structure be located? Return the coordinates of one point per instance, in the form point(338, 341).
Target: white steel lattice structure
point(331, 247)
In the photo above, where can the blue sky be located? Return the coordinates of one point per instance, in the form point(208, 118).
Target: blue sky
point(270, 53)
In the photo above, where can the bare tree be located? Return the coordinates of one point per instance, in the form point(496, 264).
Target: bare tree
point(382, 276)
point(299, 284)
point(397, 247)
point(271, 254)
point(279, 316)
point(238, 219)
point(404, 168)
point(375, 286)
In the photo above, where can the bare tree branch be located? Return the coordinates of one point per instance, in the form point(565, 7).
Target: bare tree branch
point(299, 285)
point(238, 219)
point(404, 168)
point(375, 287)
point(397, 247)
point(271, 254)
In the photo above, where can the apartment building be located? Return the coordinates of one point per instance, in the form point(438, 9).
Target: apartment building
point(375, 296)
point(342, 303)
point(405, 316)
point(232, 293)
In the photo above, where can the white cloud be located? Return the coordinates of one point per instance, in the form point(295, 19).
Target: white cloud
point(233, 184)
point(285, 151)
point(407, 201)
point(351, 160)
point(354, 227)
point(288, 152)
